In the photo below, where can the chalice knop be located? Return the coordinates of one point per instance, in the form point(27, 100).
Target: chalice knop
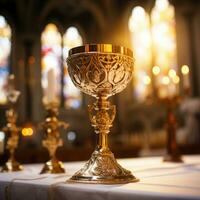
point(101, 70)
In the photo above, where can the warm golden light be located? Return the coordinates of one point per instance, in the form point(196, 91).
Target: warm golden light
point(51, 43)
point(164, 34)
point(156, 70)
point(72, 38)
point(27, 132)
point(185, 69)
point(139, 26)
point(165, 80)
point(155, 37)
point(172, 73)
point(147, 80)
point(162, 4)
point(176, 79)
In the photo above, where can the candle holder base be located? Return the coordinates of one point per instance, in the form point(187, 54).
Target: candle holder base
point(12, 166)
point(53, 167)
point(173, 158)
point(102, 168)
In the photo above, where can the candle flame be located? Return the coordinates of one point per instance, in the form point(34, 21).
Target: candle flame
point(185, 70)
point(156, 70)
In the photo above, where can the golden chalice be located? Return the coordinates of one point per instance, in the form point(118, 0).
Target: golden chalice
point(101, 70)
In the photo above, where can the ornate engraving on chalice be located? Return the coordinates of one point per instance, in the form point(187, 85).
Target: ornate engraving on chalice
point(11, 129)
point(101, 70)
point(52, 139)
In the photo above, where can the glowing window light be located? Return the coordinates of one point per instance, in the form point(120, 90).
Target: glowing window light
point(164, 35)
point(185, 69)
point(72, 95)
point(51, 58)
point(139, 26)
point(2, 136)
point(27, 131)
point(5, 50)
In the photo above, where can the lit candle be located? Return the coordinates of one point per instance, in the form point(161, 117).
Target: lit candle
point(164, 87)
point(51, 88)
point(176, 81)
point(186, 81)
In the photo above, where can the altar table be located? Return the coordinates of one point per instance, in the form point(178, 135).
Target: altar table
point(158, 180)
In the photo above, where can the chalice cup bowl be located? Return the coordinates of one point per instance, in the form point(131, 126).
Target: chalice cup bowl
point(101, 70)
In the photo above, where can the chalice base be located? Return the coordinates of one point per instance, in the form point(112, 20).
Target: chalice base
point(12, 166)
point(173, 158)
point(102, 168)
point(53, 167)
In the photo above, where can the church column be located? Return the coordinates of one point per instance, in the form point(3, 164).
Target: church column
point(28, 77)
point(18, 69)
point(197, 50)
point(36, 88)
point(187, 40)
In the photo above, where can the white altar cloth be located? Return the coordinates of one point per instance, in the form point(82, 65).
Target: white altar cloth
point(158, 180)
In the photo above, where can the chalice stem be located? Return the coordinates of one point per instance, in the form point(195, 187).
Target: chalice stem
point(103, 141)
point(12, 156)
point(102, 120)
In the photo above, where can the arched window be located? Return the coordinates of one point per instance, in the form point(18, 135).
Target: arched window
point(72, 95)
point(53, 59)
point(164, 43)
point(5, 50)
point(154, 46)
point(139, 25)
point(51, 41)
point(164, 35)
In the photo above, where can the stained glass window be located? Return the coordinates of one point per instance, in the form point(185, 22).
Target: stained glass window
point(153, 37)
point(51, 41)
point(139, 25)
point(164, 35)
point(72, 95)
point(164, 43)
point(5, 50)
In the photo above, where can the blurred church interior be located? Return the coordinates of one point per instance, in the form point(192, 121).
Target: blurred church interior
point(35, 37)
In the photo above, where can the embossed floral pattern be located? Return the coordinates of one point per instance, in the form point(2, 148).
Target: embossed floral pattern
point(96, 73)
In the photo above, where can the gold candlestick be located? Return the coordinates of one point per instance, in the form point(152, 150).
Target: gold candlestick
point(173, 154)
point(52, 139)
point(11, 129)
point(101, 70)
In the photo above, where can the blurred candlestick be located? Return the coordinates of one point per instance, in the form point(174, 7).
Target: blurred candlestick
point(186, 80)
